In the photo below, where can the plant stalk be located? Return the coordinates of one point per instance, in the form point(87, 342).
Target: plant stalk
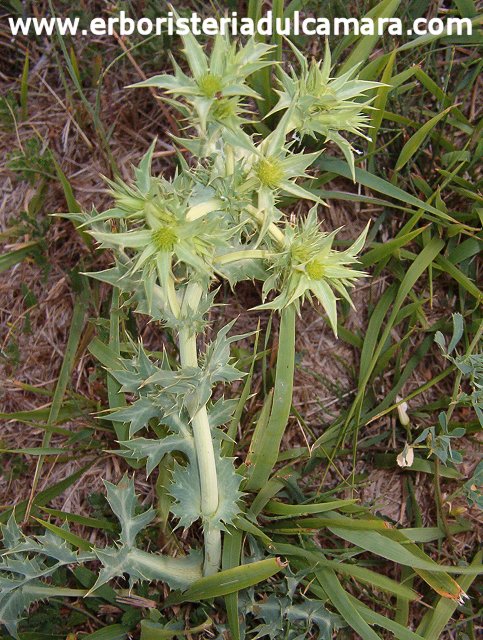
point(250, 254)
point(203, 444)
point(276, 233)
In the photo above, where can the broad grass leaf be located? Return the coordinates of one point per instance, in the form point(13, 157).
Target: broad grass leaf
point(413, 145)
point(154, 631)
point(66, 535)
point(341, 601)
point(355, 570)
point(268, 442)
point(366, 44)
point(111, 632)
point(229, 581)
point(44, 497)
point(290, 510)
point(380, 185)
point(435, 620)
point(232, 545)
point(13, 257)
point(85, 521)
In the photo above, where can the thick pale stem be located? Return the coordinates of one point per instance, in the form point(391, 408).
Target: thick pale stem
point(200, 210)
point(166, 281)
point(203, 444)
point(182, 571)
point(249, 254)
point(276, 233)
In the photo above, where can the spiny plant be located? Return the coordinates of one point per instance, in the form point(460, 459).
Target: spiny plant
point(321, 105)
point(173, 240)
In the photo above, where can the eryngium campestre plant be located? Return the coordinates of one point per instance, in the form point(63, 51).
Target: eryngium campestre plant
point(173, 241)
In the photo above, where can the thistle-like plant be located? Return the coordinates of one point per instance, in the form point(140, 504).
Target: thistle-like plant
point(27, 561)
point(307, 265)
point(173, 240)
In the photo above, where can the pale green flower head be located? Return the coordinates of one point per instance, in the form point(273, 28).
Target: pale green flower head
point(276, 167)
point(309, 266)
point(217, 82)
point(172, 227)
point(170, 238)
point(325, 106)
point(272, 168)
point(145, 197)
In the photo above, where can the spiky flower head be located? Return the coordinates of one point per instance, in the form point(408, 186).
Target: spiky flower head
point(326, 106)
point(170, 228)
point(174, 240)
point(309, 266)
point(271, 166)
point(217, 83)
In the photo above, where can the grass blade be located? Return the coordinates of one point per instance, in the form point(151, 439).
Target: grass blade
point(44, 497)
point(356, 571)
point(290, 510)
point(232, 544)
point(341, 601)
point(435, 620)
point(379, 108)
point(227, 446)
point(268, 442)
point(13, 257)
point(341, 168)
point(85, 521)
point(68, 536)
point(366, 44)
point(115, 396)
point(76, 327)
point(229, 581)
point(413, 145)
point(24, 89)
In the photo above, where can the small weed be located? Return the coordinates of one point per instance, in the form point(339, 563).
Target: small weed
point(8, 112)
point(34, 160)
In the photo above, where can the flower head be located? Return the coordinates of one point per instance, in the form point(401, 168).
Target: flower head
point(309, 266)
point(271, 167)
point(217, 83)
point(270, 172)
point(325, 106)
point(172, 228)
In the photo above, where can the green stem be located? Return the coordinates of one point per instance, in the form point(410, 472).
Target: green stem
point(203, 443)
point(249, 254)
point(180, 571)
point(166, 280)
point(200, 210)
point(276, 233)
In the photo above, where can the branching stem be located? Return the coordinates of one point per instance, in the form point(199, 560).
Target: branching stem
point(276, 233)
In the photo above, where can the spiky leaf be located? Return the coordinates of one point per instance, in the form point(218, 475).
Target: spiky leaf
point(124, 503)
